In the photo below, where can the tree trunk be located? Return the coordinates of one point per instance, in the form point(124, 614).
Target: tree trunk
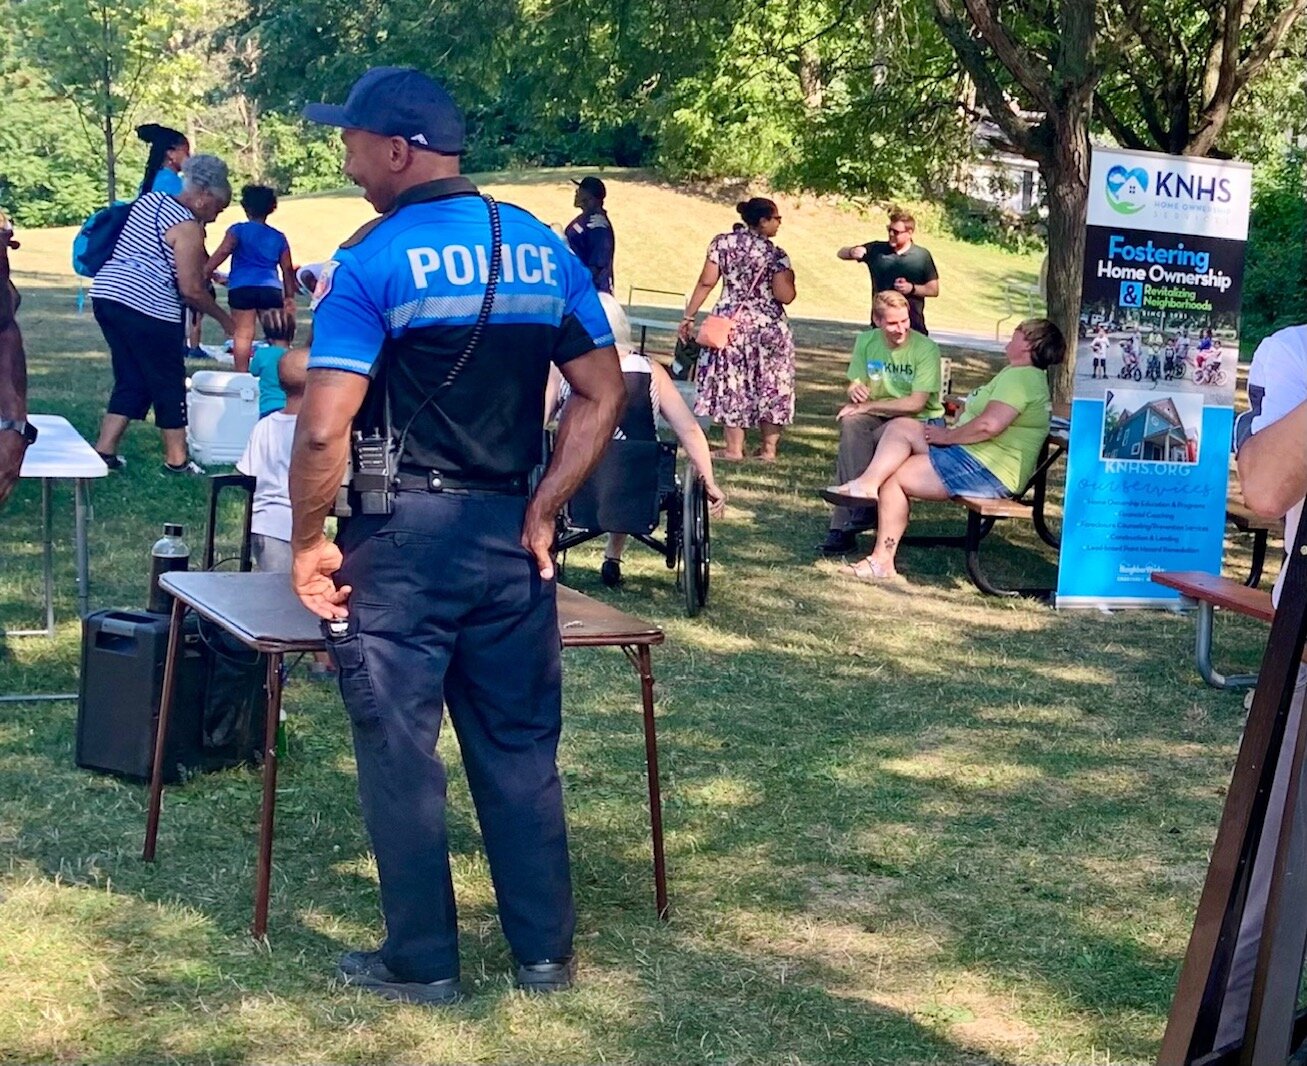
point(110, 155)
point(111, 159)
point(1064, 167)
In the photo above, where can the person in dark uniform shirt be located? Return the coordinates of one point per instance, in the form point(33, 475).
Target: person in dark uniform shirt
point(901, 265)
point(449, 599)
point(590, 234)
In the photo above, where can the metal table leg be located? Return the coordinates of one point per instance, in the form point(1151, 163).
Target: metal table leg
point(263, 875)
point(1259, 559)
point(47, 553)
point(1203, 653)
point(642, 661)
point(81, 501)
point(47, 569)
point(161, 730)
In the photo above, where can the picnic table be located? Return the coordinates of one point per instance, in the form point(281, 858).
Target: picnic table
point(983, 514)
point(261, 611)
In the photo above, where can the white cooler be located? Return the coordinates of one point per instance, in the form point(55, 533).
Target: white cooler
point(221, 409)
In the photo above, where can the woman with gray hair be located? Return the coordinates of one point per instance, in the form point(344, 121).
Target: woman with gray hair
point(140, 298)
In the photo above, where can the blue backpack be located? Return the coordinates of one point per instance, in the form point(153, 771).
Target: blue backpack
point(95, 241)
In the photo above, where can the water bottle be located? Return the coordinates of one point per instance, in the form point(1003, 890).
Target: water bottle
point(875, 380)
point(168, 554)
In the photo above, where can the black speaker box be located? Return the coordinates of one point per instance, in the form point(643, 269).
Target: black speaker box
point(218, 705)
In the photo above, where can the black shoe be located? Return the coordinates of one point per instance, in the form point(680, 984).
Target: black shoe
point(838, 542)
point(610, 573)
point(190, 467)
point(113, 462)
point(364, 969)
point(547, 975)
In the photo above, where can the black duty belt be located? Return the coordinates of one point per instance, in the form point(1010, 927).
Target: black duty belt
point(434, 481)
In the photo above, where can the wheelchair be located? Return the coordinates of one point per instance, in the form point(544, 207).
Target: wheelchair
point(634, 484)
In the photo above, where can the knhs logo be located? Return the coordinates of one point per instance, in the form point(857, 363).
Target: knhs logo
point(1174, 186)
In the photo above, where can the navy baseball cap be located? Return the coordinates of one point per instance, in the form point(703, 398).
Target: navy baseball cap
point(592, 185)
point(398, 102)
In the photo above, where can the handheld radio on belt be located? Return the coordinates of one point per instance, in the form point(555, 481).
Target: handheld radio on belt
point(370, 478)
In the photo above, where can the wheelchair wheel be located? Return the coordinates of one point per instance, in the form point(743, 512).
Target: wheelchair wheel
point(695, 544)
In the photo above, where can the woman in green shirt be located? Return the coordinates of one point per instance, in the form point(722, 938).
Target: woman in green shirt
point(990, 453)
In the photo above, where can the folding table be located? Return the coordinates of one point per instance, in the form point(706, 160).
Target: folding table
point(262, 612)
point(60, 452)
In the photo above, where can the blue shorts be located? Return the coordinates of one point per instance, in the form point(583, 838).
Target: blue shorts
point(963, 474)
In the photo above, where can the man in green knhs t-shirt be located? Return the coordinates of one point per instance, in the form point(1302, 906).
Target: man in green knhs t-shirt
point(894, 373)
point(899, 265)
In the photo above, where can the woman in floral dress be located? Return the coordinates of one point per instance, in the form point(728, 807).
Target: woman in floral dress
point(750, 382)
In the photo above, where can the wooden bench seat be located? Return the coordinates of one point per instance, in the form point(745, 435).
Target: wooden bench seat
point(1008, 508)
point(1207, 592)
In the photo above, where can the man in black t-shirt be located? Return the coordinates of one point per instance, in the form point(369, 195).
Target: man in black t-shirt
point(899, 264)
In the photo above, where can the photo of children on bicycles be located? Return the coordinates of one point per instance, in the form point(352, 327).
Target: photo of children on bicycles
point(1186, 352)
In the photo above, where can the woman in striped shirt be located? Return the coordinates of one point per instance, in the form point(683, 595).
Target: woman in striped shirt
point(140, 296)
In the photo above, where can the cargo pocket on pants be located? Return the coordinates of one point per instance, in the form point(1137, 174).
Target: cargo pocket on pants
point(356, 691)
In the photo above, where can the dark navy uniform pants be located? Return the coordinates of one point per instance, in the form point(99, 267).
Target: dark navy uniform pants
point(448, 609)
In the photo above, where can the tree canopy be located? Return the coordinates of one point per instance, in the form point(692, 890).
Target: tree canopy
point(863, 98)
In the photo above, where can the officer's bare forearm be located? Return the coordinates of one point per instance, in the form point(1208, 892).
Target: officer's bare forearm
point(317, 463)
point(13, 373)
point(315, 474)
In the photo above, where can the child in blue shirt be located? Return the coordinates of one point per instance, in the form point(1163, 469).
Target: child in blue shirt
point(262, 279)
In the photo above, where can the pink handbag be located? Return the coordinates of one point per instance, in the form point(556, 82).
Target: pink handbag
point(715, 331)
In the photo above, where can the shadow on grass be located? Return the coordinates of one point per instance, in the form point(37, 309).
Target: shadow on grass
point(904, 825)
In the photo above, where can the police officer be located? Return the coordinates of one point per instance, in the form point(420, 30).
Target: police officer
point(442, 575)
point(590, 234)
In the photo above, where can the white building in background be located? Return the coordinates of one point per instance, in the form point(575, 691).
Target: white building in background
point(1000, 176)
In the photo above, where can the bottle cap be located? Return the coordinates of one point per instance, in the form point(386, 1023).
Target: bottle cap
point(172, 529)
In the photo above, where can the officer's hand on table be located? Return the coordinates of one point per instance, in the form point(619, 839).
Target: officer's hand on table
point(538, 539)
point(310, 577)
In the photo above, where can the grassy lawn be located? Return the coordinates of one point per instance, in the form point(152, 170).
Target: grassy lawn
point(905, 825)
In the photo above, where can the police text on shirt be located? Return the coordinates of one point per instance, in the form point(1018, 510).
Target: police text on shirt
point(461, 265)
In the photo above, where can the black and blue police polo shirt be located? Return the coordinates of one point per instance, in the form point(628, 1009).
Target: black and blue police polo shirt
point(398, 301)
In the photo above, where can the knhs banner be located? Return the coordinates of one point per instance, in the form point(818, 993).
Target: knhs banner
point(1156, 355)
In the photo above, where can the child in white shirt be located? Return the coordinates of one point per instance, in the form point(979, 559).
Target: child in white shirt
point(267, 460)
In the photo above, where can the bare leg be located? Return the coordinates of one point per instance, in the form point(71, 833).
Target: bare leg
point(915, 479)
point(734, 437)
point(174, 446)
point(242, 340)
point(112, 428)
point(193, 334)
point(615, 546)
point(902, 439)
point(771, 439)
